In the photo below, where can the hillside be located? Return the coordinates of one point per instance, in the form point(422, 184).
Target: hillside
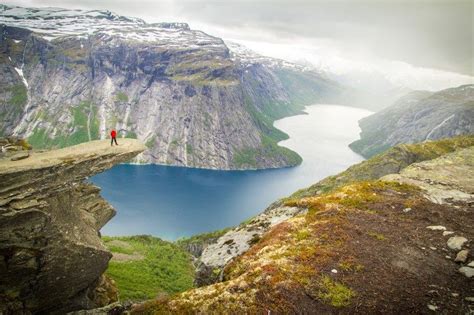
point(417, 117)
point(70, 76)
point(379, 239)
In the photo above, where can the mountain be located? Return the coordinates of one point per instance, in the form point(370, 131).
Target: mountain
point(417, 117)
point(69, 76)
point(391, 234)
point(53, 259)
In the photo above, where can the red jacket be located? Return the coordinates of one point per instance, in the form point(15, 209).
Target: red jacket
point(113, 133)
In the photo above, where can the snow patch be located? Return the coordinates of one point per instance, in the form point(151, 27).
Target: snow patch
point(20, 72)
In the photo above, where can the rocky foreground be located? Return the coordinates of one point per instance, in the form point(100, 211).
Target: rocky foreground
point(391, 235)
point(52, 257)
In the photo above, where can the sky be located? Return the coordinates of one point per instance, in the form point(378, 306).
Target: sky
point(415, 39)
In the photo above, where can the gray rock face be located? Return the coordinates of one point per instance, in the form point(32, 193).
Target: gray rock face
point(52, 258)
point(237, 241)
point(182, 92)
point(441, 182)
point(417, 117)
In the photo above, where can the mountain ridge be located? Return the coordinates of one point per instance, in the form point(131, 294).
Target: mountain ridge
point(418, 116)
point(179, 91)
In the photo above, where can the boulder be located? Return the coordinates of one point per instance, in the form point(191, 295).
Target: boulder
point(462, 256)
point(467, 271)
point(20, 156)
point(456, 242)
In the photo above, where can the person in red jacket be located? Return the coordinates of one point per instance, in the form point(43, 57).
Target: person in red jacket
point(113, 136)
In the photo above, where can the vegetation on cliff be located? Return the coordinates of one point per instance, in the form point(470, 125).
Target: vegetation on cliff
point(417, 117)
point(144, 267)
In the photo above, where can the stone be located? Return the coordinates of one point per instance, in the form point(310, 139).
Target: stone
point(20, 156)
point(432, 307)
point(462, 256)
point(334, 271)
point(456, 242)
point(407, 210)
point(446, 233)
point(467, 271)
point(436, 228)
point(469, 298)
point(471, 264)
point(50, 229)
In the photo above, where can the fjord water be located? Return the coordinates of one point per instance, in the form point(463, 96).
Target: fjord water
point(172, 202)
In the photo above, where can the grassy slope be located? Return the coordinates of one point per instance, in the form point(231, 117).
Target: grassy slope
point(303, 89)
point(164, 267)
point(355, 226)
point(388, 162)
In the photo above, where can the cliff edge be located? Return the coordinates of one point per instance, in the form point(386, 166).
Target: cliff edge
point(52, 258)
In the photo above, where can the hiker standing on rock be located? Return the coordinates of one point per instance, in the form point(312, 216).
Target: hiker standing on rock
point(113, 136)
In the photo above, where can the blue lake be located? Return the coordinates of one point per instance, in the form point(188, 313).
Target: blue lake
point(172, 202)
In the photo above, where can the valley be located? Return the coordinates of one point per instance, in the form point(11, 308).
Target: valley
point(171, 202)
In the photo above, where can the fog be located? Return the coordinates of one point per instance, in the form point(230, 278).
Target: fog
point(412, 44)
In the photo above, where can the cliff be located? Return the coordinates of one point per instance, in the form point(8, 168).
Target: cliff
point(70, 76)
point(375, 238)
point(52, 257)
point(417, 117)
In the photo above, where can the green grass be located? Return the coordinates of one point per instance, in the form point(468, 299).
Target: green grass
point(132, 135)
point(166, 267)
point(248, 157)
point(121, 97)
point(335, 293)
point(264, 117)
point(40, 138)
point(200, 238)
point(151, 142)
point(189, 149)
point(19, 96)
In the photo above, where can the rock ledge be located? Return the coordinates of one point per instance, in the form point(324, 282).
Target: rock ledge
point(52, 257)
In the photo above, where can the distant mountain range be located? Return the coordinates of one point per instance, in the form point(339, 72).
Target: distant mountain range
point(69, 76)
point(419, 116)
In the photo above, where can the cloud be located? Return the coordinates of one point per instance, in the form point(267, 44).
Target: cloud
point(411, 36)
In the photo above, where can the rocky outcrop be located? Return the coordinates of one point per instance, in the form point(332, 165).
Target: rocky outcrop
point(441, 182)
point(182, 92)
point(52, 258)
point(214, 257)
point(416, 117)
